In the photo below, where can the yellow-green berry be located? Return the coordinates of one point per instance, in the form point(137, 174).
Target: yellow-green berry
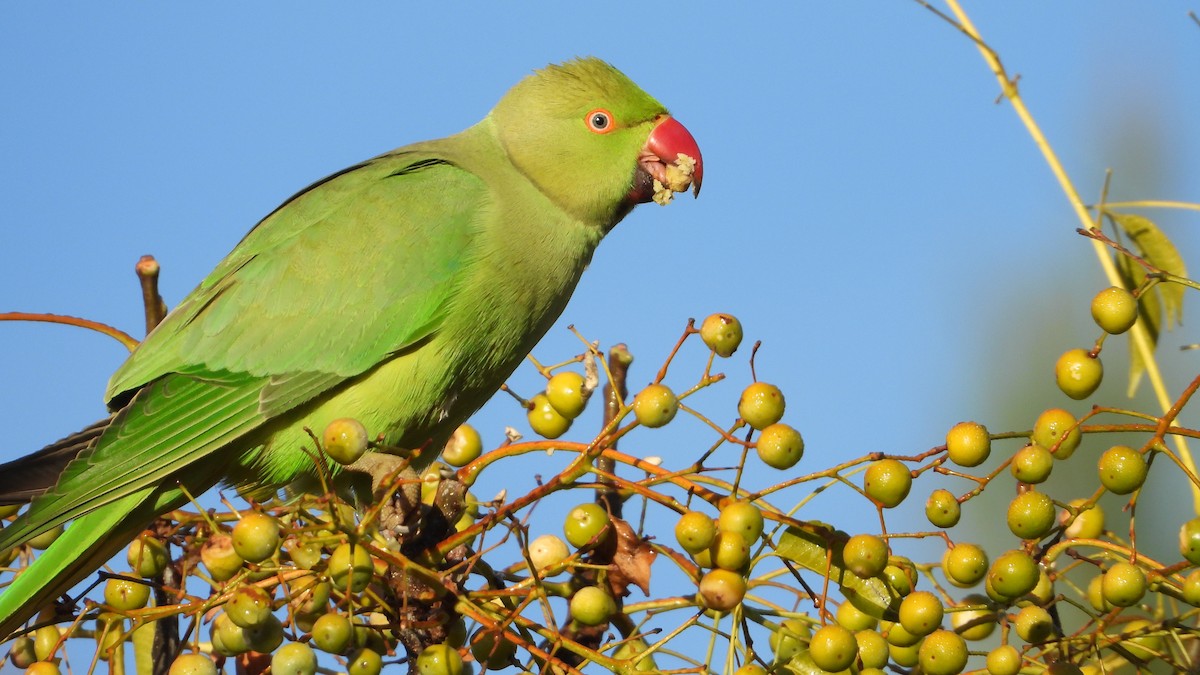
point(722, 333)
point(761, 405)
point(345, 440)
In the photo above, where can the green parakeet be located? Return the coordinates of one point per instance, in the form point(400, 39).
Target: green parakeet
point(401, 291)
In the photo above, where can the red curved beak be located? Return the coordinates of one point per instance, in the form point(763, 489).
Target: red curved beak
point(671, 139)
point(667, 141)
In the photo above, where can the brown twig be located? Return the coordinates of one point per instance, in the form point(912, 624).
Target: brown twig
point(615, 391)
point(147, 270)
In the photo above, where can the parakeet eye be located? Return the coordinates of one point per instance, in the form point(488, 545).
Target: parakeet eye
point(600, 121)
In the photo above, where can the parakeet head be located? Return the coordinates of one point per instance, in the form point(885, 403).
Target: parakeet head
point(594, 142)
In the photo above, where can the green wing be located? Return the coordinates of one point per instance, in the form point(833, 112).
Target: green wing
point(346, 273)
point(352, 269)
point(343, 275)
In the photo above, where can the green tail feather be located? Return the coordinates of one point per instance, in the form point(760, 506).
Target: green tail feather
point(86, 545)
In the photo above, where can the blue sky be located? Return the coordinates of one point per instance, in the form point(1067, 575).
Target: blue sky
point(870, 212)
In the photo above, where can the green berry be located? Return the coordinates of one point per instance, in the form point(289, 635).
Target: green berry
point(942, 509)
point(780, 446)
point(865, 555)
point(968, 444)
point(1042, 593)
point(21, 653)
point(1088, 524)
point(220, 558)
point(305, 554)
point(1057, 427)
point(1032, 464)
point(109, 632)
point(1095, 594)
point(974, 624)
point(854, 619)
point(1144, 642)
point(565, 391)
point(464, 446)
point(369, 636)
point(905, 656)
point(193, 664)
point(1189, 541)
point(256, 537)
point(899, 636)
point(547, 551)
point(722, 333)
point(872, 649)
point(1122, 469)
point(722, 590)
point(43, 668)
point(545, 420)
point(833, 648)
point(900, 575)
point(695, 531)
point(586, 522)
point(921, 613)
point(1034, 624)
point(42, 541)
point(942, 653)
point(887, 482)
point(249, 607)
point(704, 558)
point(761, 405)
point(965, 564)
point(730, 551)
point(1078, 374)
point(228, 638)
point(351, 567)
point(310, 595)
point(148, 556)
point(365, 661)
point(789, 639)
point(1004, 660)
point(655, 405)
point(125, 594)
point(439, 660)
point(1115, 310)
point(749, 669)
point(1013, 574)
point(46, 642)
point(742, 517)
point(1124, 585)
point(592, 606)
point(294, 658)
point(492, 650)
point(345, 440)
point(332, 633)
point(1191, 589)
point(1031, 515)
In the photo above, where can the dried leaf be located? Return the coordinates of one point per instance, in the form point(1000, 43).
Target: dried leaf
point(631, 562)
point(810, 549)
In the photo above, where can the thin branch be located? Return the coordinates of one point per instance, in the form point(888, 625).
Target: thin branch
point(124, 338)
point(1139, 337)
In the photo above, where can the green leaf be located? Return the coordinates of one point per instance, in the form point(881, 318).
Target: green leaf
point(143, 648)
point(810, 548)
point(1156, 249)
point(802, 664)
